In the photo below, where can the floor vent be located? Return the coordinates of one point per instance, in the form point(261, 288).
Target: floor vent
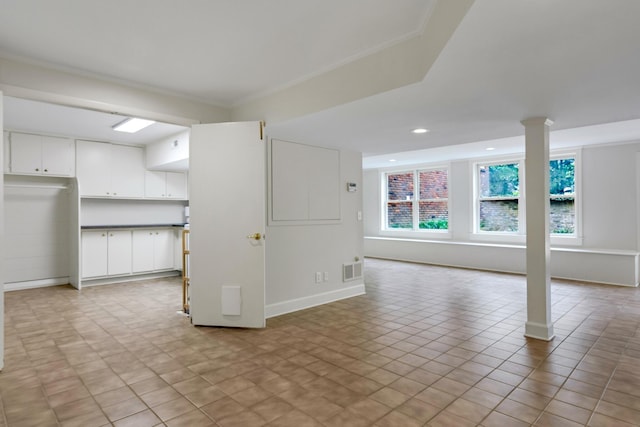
point(351, 271)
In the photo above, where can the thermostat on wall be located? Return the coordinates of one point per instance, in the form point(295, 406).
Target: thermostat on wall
point(352, 186)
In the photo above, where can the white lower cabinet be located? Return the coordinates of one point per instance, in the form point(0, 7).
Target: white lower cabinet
point(106, 253)
point(152, 250)
point(124, 252)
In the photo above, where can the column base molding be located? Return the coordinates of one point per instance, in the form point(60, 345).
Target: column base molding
point(539, 331)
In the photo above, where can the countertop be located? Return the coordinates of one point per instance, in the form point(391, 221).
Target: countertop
point(111, 227)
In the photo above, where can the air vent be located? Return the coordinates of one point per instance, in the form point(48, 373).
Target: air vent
point(351, 271)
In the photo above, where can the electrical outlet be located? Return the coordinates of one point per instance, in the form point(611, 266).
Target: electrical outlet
point(326, 276)
point(318, 277)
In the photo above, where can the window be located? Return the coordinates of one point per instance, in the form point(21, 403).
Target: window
point(562, 193)
point(498, 197)
point(424, 209)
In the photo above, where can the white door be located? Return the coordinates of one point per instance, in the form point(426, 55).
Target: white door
point(58, 156)
point(227, 184)
point(127, 171)
point(176, 185)
point(94, 253)
point(26, 153)
point(93, 168)
point(155, 184)
point(119, 252)
point(163, 249)
point(142, 251)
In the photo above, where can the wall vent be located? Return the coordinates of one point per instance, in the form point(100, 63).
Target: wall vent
point(351, 271)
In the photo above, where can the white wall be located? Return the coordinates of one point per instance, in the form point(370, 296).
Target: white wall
point(610, 194)
point(131, 212)
point(296, 252)
point(608, 252)
point(170, 153)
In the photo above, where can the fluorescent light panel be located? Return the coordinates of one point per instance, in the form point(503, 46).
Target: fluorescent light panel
point(132, 125)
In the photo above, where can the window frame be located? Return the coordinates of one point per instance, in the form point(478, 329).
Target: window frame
point(559, 239)
point(574, 238)
point(415, 231)
point(511, 235)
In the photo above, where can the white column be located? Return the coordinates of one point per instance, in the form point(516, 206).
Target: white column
point(539, 323)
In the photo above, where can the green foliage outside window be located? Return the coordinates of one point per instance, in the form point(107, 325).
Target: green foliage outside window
point(562, 176)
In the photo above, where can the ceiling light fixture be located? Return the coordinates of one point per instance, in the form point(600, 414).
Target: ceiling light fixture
point(490, 148)
point(392, 160)
point(132, 125)
point(420, 130)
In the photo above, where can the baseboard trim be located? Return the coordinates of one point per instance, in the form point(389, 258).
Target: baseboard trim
point(131, 278)
point(280, 308)
point(32, 284)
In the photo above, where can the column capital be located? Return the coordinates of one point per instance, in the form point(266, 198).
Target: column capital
point(536, 121)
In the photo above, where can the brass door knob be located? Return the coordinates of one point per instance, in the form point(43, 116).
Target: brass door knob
point(255, 236)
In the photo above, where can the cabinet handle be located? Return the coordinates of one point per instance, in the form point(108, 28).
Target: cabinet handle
point(111, 234)
point(46, 170)
point(103, 234)
point(37, 169)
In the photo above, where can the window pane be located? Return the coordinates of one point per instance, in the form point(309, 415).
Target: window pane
point(400, 215)
point(499, 180)
point(433, 184)
point(562, 216)
point(400, 186)
point(434, 215)
point(499, 215)
point(561, 176)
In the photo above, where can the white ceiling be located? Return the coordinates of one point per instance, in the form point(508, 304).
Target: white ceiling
point(575, 61)
point(221, 51)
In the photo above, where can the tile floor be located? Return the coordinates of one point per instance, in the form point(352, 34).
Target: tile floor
point(426, 346)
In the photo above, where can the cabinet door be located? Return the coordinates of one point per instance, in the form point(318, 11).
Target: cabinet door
point(155, 184)
point(58, 156)
point(163, 249)
point(93, 168)
point(7, 144)
point(94, 253)
point(143, 251)
point(119, 255)
point(176, 185)
point(127, 171)
point(26, 153)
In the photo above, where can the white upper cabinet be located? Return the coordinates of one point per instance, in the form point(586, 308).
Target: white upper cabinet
point(109, 170)
point(127, 171)
point(41, 155)
point(93, 168)
point(165, 185)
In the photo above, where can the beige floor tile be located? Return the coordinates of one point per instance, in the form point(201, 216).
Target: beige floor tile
point(425, 346)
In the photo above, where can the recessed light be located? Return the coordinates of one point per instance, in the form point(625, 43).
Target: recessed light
point(490, 148)
point(420, 130)
point(132, 125)
point(392, 160)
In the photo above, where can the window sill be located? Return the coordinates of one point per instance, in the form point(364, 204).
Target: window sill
point(413, 234)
